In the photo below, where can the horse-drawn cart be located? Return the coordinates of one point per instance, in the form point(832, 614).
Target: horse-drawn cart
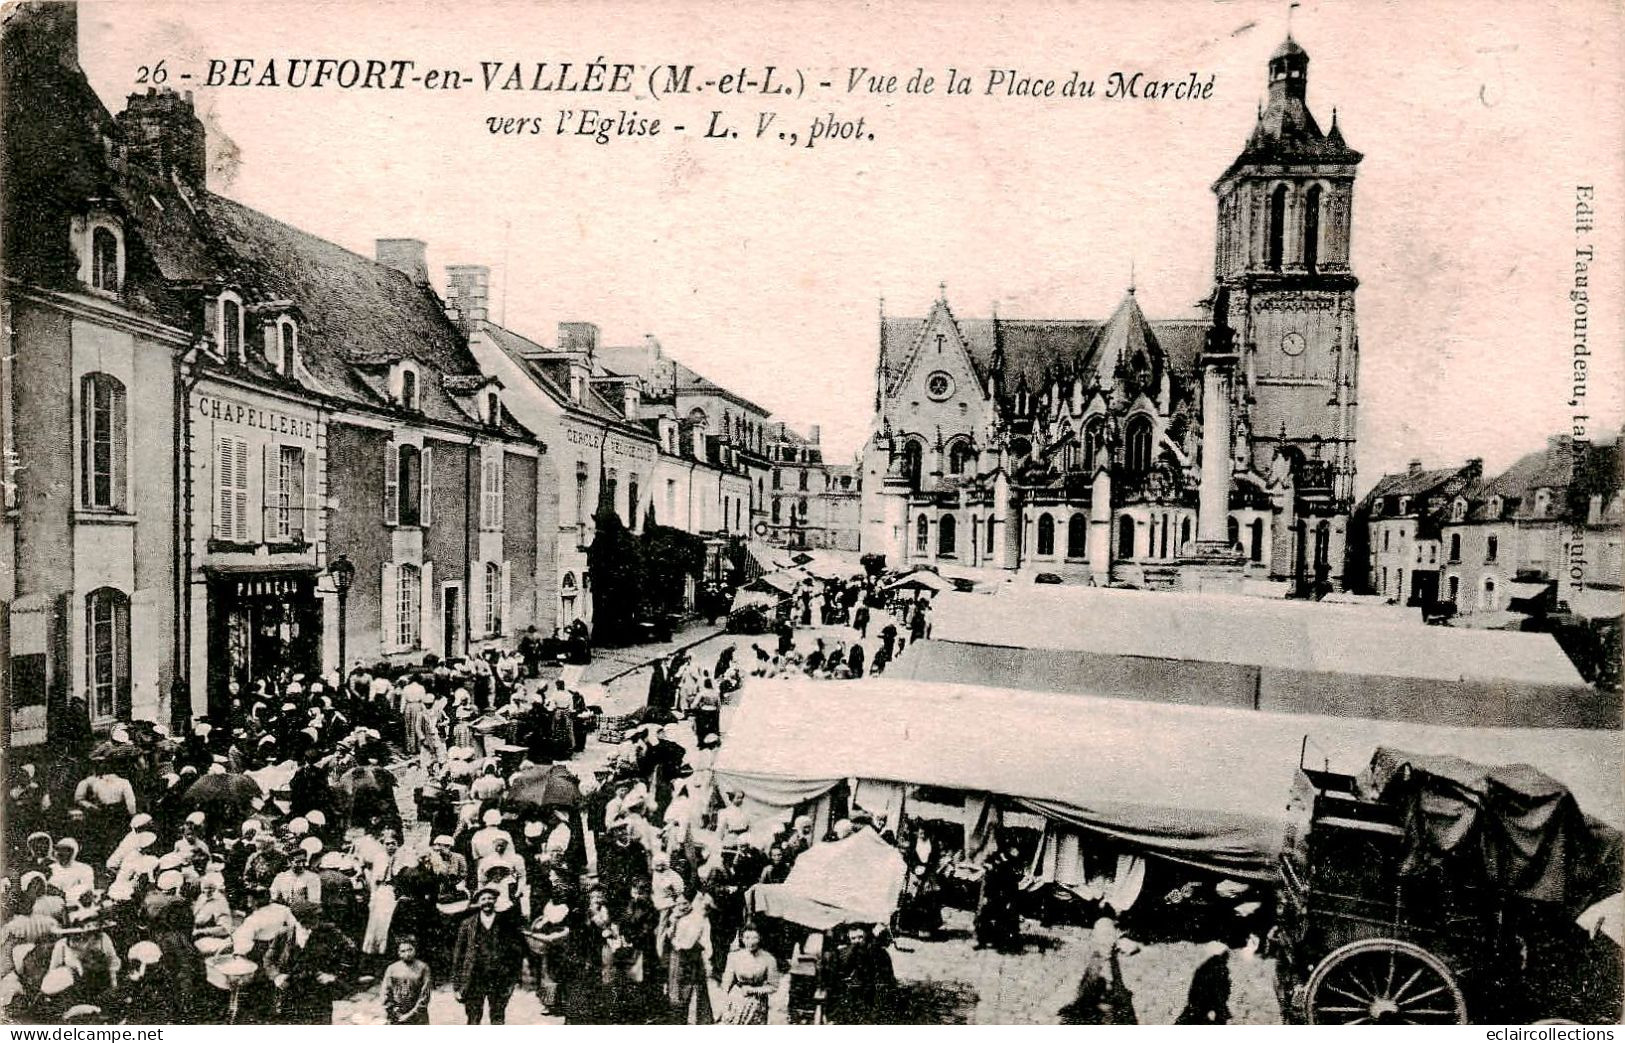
point(1428, 890)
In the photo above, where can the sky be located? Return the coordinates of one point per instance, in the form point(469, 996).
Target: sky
point(764, 265)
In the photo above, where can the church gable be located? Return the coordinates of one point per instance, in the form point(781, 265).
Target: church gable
point(937, 387)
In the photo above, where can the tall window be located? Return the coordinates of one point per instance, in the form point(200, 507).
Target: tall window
point(107, 651)
point(104, 273)
point(1125, 537)
point(1455, 547)
point(1046, 535)
point(231, 328)
point(582, 510)
point(946, 533)
point(1077, 536)
point(1492, 547)
point(989, 534)
point(1137, 454)
point(493, 598)
point(409, 389)
point(1257, 534)
point(961, 457)
point(1277, 226)
point(1234, 532)
point(1091, 442)
point(404, 484)
point(922, 534)
point(102, 442)
point(801, 480)
point(287, 485)
point(231, 489)
point(632, 501)
point(1311, 227)
point(671, 502)
point(408, 607)
point(776, 512)
point(778, 478)
point(491, 492)
point(287, 346)
point(913, 453)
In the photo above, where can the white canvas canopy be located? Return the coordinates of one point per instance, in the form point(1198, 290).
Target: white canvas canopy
point(854, 880)
point(1292, 657)
point(1199, 784)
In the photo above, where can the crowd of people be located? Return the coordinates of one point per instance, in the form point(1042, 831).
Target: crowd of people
point(269, 863)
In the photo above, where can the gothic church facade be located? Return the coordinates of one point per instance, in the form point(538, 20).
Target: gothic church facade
point(1152, 452)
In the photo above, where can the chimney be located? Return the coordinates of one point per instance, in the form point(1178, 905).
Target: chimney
point(578, 338)
point(812, 434)
point(163, 134)
point(630, 399)
point(1414, 467)
point(405, 256)
point(468, 293)
point(45, 31)
point(1559, 445)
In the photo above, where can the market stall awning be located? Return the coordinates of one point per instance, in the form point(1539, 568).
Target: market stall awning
point(1199, 784)
point(855, 880)
point(1289, 657)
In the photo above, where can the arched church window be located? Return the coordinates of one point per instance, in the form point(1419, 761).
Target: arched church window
point(1137, 452)
point(1311, 227)
point(1276, 227)
point(1046, 535)
point(961, 458)
point(922, 534)
point(946, 534)
point(1077, 536)
point(1234, 532)
point(1091, 442)
point(913, 453)
point(1125, 537)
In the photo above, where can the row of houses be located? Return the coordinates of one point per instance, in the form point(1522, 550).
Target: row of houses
point(1546, 530)
point(232, 446)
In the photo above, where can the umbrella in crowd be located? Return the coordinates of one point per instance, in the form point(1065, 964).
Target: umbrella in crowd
point(543, 787)
point(224, 798)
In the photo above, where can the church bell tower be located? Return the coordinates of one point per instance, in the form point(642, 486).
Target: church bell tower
point(1285, 208)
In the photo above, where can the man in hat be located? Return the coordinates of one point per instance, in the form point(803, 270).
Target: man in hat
point(486, 959)
point(319, 969)
point(298, 882)
point(261, 868)
point(513, 879)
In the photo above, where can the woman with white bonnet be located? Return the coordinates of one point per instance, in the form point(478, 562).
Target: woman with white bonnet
point(69, 875)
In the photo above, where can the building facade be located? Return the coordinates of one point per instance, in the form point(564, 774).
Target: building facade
point(812, 505)
point(248, 405)
point(1147, 451)
point(1401, 520)
point(88, 400)
point(623, 437)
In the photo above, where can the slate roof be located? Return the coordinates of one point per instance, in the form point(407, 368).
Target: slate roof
point(518, 347)
point(1032, 346)
point(1286, 131)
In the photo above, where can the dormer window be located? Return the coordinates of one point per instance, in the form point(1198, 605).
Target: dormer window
point(287, 346)
point(1494, 508)
point(1543, 502)
point(493, 408)
point(1404, 505)
point(99, 241)
point(1458, 510)
point(407, 392)
point(229, 334)
point(578, 384)
point(106, 272)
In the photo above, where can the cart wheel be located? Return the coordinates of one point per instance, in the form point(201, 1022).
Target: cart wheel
point(1383, 981)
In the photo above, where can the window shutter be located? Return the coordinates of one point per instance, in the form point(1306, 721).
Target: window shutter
point(312, 505)
point(426, 607)
point(476, 599)
point(501, 484)
point(426, 488)
point(389, 603)
point(504, 622)
point(121, 659)
point(120, 499)
point(392, 484)
point(270, 492)
point(225, 503)
point(240, 473)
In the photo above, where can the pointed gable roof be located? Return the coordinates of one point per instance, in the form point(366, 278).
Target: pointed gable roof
point(1125, 335)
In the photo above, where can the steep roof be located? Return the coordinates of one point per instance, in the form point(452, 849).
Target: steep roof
point(1286, 131)
point(1410, 483)
point(522, 349)
point(1032, 346)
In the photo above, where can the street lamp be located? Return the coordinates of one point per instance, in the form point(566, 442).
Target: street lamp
point(342, 569)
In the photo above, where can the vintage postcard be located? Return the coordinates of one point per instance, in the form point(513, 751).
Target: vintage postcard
point(847, 514)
